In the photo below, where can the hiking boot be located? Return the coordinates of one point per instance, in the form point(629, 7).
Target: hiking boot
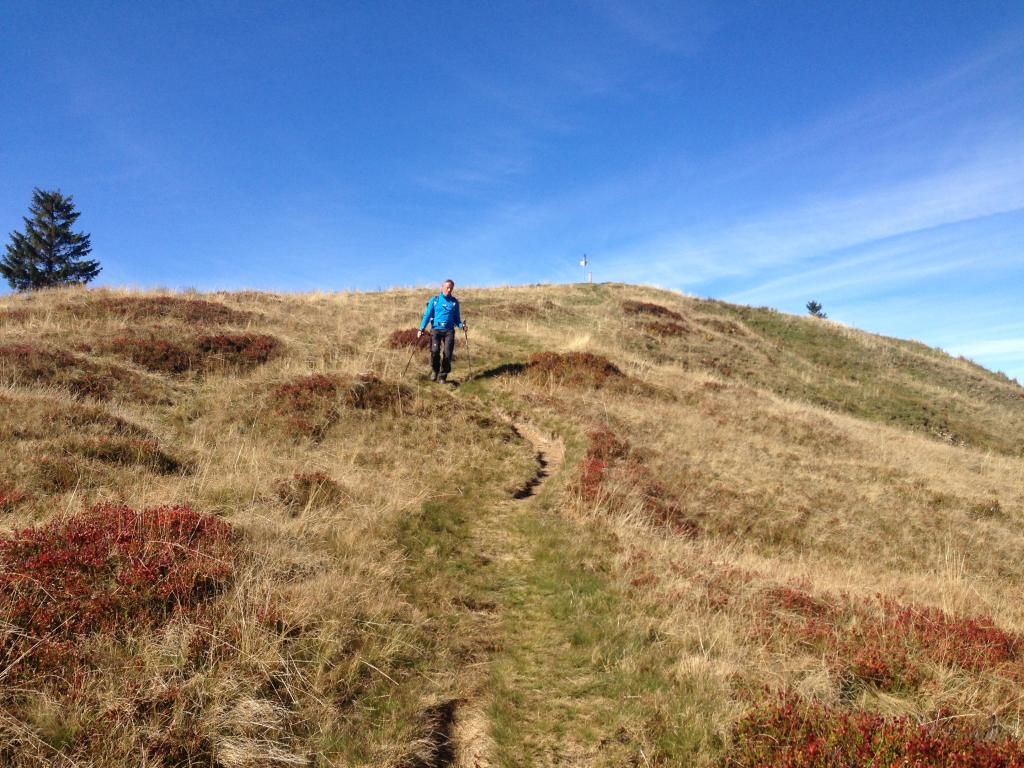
point(433, 376)
point(442, 379)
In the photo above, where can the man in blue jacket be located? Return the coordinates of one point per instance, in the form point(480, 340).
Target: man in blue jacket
point(442, 313)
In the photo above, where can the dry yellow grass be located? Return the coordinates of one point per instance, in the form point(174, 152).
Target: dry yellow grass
point(631, 610)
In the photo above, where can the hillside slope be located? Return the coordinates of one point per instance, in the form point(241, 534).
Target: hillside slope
point(645, 530)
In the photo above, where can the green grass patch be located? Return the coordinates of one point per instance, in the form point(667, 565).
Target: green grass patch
point(581, 674)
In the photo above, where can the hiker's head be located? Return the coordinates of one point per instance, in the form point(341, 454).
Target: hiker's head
point(447, 287)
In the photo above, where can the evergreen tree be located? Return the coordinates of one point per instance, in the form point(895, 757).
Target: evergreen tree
point(814, 309)
point(48, 253)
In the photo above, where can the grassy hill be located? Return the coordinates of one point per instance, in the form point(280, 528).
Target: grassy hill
point(236, 530)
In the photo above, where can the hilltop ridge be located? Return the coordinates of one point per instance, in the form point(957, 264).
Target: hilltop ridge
point(762, 534)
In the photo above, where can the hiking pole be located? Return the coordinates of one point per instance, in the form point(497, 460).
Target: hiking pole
point(469, 356)
point(411, 355)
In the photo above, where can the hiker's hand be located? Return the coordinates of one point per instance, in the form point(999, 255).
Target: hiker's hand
point(465, 326)
point(419, 333)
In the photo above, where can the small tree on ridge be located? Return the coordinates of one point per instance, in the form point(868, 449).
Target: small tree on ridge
point(814, 309)
point(48, 253)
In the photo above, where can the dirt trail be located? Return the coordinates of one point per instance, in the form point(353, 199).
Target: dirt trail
point(550, 457)
point(500, 542)
point(552, 689)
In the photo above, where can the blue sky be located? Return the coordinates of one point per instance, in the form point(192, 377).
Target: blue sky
point(869, 155)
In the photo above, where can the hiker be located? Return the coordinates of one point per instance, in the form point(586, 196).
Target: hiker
point(443, 313)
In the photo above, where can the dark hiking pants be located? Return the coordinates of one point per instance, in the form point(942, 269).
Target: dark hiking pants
point(442, 365)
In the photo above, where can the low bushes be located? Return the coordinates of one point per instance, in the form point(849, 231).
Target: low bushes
point(308, 406)
point(405, 338)
point(647, 308)
point(34, 364)
point(128, 451)
point(154, 354)
point(10, 498)
point(612, 475)
point(884, 643)
point(244, 351)
point(574, 369)
point(727, 327)
point(152, 307)
point(368, 393)
point(791, 733)
point(667, 329)
point(14, 315)
point(108, 569)
point(201, 354)
point(44, 417)
point(57, 474)
point(311, 405)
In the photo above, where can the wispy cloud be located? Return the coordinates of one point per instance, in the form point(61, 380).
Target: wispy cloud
point(805, 229)
point(1008, 348)
point(478, 170)
point(670, 27)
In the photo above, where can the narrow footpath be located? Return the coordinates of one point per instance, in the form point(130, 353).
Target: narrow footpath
point(554, 697)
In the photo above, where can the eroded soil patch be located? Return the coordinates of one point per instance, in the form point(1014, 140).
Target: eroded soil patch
point(550, 453)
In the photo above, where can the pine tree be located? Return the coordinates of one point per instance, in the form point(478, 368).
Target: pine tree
point(814, 309)
point(48, 253)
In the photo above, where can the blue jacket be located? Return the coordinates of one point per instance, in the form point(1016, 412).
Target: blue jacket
point(443, 312)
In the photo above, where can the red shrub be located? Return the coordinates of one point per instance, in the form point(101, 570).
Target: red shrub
point(974, 644)
point(577, 369)
point(108, 569)
point(27, 363)
point(311, 405)
point(10, 498)
point(244, 351)
point(150, 307)
point(407, 338)
point(519, 310)
point(368, 393)
point(668, 329)
point(14, 315)
point(669, 514)
point(592, 473)
point(129, 452)
point(608, 455)
point(790, 733)
point(202, 354)
point(647, 308)
point(154, 354)
point(606, 445)
point(308, 406)
point(883, 642)
point(643, 580)
point(794, 599)
point(720, 365)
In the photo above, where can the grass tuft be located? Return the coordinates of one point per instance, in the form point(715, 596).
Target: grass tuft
point(309, 490)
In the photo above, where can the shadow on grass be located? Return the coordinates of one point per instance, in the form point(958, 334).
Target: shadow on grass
point(510, 369)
